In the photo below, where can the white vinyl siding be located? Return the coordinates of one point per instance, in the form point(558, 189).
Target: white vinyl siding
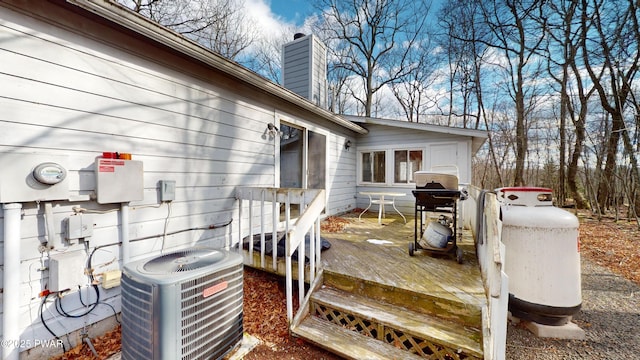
point(437, 149)
point(65, 94)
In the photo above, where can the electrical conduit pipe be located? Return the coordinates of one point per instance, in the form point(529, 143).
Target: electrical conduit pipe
point(124, 232)
point(11, 292)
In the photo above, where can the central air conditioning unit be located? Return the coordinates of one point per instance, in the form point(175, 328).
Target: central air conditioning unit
point(182, 305)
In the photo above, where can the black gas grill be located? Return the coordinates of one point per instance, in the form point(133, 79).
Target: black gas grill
point(434, 197)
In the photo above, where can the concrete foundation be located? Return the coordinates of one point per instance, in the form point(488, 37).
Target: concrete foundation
point(568, 331)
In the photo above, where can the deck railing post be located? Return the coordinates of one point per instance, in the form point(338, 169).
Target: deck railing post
point(262, 228)
point(251, 227)
point(274, 230)
point(240, 213)
point(308, 222)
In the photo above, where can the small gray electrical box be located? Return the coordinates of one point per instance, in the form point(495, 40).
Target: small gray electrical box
point(167, 190)
point(79, 226)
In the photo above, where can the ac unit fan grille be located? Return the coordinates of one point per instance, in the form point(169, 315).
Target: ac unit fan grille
point(186, 260)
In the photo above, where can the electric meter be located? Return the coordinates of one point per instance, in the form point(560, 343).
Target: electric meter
point(49, 173)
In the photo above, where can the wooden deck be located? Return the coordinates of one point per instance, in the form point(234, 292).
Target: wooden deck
point(376, 298)
point(366, 252)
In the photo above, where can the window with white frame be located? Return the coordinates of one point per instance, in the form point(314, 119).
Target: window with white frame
point(373, 167)
point(405, 163)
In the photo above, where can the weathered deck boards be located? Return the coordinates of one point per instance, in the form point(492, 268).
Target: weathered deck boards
point(389, 265)
point(281, 268)
point(349, 344)
point(449, 334)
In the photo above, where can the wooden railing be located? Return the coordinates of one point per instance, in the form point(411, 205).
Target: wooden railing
point(481, 214)
point(311, 203)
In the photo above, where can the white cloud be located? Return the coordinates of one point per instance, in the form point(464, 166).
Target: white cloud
point(268, 23)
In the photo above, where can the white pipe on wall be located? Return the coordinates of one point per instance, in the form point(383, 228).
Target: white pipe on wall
point(124, 232)
point(11, 292)
point(51, 230)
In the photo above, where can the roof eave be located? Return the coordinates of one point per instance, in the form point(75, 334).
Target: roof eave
point(478, 137)
point(122, 16)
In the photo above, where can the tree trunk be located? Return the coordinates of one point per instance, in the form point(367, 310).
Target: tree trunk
point(608, 176)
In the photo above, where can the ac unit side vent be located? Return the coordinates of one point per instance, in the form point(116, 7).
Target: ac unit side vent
point(192, 314)
point(137, 308)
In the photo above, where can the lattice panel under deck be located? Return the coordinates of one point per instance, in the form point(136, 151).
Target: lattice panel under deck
point(396, 338)
point(362, 326)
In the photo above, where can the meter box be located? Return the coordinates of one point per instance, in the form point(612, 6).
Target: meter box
point(33, 177)
point(118, 180)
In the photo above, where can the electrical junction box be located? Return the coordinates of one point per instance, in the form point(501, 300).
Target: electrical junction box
point(167, 190)
point(33, 177)
point(66, 271)
point(79, 226)
point(119, 180)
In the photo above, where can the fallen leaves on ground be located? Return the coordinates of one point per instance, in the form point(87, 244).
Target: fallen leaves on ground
point(333, 224)
point(612, 244)
point(265, 317)
point(105, 345)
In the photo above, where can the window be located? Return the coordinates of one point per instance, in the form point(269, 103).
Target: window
point(373, 167)
point(406, 162)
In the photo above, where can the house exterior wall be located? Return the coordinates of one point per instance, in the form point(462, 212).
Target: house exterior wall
point(437, 149)
point(76, 88)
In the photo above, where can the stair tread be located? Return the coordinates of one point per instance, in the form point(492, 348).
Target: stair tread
point(347, 343)
point(445, 332)
point(464, 309)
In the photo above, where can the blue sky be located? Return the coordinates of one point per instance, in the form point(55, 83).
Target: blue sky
point(292, 11)
point(295, 11)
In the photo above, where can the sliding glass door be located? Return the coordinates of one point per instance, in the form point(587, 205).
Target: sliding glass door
point(303, 157)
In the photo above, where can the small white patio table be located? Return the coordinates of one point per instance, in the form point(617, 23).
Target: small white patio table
point(378, 197)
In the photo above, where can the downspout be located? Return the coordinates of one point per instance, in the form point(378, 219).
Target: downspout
point(11, 291)
point(124, 232)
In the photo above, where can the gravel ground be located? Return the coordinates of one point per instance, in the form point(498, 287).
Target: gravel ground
point(610, 316)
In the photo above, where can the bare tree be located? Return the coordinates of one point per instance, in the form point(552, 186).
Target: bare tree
point(266, 57)
point(561, 18)
point(411, 90)
point(510, 22)
point(465, 57)
point(611, 46)
point(215, 24)
point(371, 40)
point(466, 50)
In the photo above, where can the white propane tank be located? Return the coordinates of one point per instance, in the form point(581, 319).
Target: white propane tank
point(542, 256)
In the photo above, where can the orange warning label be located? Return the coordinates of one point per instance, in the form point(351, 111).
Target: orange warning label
point(112, 162)
point(214, 289)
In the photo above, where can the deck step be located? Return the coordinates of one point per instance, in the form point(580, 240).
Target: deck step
point(463, 311)
point(346, 343)
point(396, 325)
